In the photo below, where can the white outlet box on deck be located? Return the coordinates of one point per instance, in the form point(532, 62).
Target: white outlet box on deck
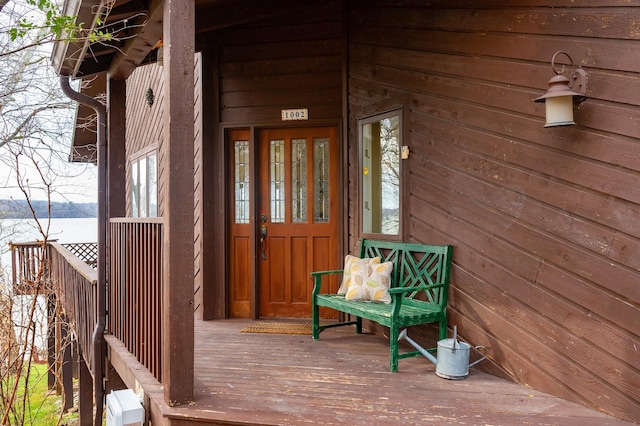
point(124, 409)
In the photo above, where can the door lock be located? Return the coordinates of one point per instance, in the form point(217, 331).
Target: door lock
point(263, 237)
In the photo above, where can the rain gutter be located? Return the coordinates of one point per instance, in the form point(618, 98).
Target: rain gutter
point(98, 338)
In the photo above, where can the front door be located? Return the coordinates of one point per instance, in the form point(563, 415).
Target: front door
point(285, 222)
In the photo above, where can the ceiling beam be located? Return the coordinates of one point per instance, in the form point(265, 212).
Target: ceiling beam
point(142, 40)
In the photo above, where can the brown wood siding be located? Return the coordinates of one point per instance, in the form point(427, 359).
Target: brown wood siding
point(144, 122)
point(544, 221)
point(290, 61)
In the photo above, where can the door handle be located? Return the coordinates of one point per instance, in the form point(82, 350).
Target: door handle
point(263, 237)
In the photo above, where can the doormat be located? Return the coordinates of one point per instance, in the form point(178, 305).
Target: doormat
point(278, 327)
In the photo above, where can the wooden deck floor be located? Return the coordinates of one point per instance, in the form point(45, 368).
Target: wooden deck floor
point(343, 378)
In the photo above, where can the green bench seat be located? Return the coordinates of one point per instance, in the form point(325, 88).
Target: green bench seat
point(419, 291)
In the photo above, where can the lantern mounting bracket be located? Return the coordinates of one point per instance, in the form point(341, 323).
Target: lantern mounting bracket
point(578, 80)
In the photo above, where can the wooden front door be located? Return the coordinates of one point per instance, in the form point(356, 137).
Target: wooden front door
point(285, 221)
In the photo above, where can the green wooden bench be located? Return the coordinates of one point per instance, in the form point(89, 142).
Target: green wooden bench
point(419, 291)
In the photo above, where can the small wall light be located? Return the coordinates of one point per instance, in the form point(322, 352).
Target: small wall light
point(562, 93)
point(150, 97)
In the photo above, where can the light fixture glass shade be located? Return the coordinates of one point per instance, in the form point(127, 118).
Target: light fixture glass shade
point(559, 111)
point(563, 93)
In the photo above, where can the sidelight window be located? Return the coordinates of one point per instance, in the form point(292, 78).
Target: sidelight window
point(321, 180)
point(241, 181)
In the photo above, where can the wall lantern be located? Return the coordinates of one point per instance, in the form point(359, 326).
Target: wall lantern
point(562, 93)
point(149, 96)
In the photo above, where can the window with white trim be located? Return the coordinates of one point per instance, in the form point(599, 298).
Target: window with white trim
point(144, 185)
point(380, 141)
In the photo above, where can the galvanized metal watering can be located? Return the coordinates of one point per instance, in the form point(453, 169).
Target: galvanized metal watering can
point(452, 361)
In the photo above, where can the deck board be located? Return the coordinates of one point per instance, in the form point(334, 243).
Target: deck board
point(343, 378)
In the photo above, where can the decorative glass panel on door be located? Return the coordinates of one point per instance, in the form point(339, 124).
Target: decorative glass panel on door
point(299, 180)
point(241, 186)
point(277, 182)
point(321, 180)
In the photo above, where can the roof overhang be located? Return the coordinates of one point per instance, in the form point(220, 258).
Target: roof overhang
point(135, 27)
point(66, 55)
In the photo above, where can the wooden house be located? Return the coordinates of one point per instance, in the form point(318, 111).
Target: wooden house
point(235, 162)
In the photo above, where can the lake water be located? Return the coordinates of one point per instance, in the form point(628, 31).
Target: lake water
point(74, 230)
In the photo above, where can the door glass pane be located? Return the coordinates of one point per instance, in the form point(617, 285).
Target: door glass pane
point(321, 180)
point(299, 180)
point(153, 185)
point(381, 175)
point(277, 188)
point(241, 185)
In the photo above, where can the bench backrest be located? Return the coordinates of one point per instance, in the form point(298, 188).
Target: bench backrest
point(415, 265)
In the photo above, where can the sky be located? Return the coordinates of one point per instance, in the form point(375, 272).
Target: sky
point(75, 183)
point(42, 153)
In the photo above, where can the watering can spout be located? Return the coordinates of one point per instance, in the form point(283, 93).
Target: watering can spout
point(403, 335)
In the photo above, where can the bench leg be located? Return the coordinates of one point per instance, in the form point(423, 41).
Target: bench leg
point(359, 325)
point(393, 349)
point(315, 325)
point(443, 329)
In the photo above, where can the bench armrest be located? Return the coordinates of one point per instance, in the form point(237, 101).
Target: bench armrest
point(317, 278)
point(402, 290)
point(397, 295)
point(320, 273)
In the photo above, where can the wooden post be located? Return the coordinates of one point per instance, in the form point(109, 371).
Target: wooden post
point(177, 159)
point(51, 341)
point(67, 365)
point(85, 393)
point(57, 354)
point(116, 153)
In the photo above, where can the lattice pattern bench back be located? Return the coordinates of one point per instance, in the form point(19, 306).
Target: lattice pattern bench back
point(415, 265)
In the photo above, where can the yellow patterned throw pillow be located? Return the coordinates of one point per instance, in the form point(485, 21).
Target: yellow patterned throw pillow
point(346, 276)
point(370, 283)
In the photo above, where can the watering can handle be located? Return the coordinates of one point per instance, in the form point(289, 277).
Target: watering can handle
point(483, 352)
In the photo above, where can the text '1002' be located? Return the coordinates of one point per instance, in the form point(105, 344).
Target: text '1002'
point(295, 114)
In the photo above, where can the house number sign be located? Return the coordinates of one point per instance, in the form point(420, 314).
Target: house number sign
point(295, 114)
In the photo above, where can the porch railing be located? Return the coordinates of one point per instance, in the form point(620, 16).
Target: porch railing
point(75, 283)
point(134, 299)
point(30, 264)
point(135, 288)
point(51, 269)
point(29, 268)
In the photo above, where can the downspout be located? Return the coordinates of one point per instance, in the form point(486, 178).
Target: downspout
point(98, 340)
